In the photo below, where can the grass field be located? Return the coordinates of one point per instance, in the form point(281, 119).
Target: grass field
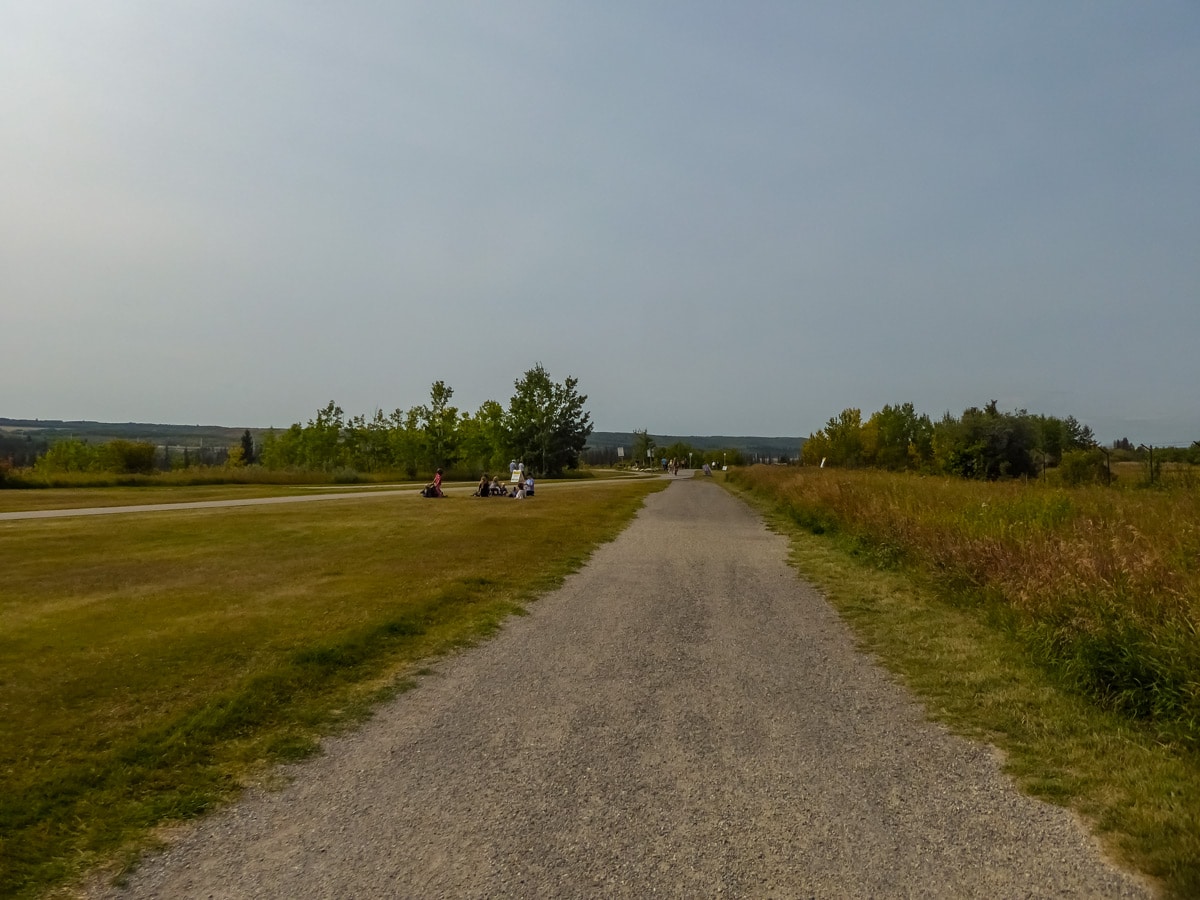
point(152, 664)
point(960, 586)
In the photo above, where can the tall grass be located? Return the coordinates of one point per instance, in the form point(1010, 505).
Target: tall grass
point(1101, 585)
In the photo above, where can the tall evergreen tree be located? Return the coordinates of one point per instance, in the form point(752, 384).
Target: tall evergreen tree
point(248, 456)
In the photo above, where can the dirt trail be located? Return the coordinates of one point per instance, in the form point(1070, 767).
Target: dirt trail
point(684, 718)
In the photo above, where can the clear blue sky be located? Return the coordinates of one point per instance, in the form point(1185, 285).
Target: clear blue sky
point(722, 218)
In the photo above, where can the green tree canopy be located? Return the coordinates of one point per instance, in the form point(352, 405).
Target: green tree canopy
point(981, 443)
point(547, 424)
point(439, 426)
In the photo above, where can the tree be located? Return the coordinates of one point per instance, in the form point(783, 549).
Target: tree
point(680, 451)
point(986, 443)
point(643, 443)
point(282, 451)
point(484, 438)
point(132, 457)
point(1079, 436)
point(547, 423)
point(815, 448)
point(404, 440)
point(896, 438)
point(438, 424)
point(845, 437)
point(322, 439)
point(70, 455)
point(248, 457)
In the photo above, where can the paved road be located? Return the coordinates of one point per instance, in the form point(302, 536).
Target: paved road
point(315, 497)
point(684, 718)
point(191, 504)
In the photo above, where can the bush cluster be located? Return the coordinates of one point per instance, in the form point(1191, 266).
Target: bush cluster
point(981, 443)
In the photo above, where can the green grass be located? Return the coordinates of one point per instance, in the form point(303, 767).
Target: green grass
point(976, 674)
point(152, 665)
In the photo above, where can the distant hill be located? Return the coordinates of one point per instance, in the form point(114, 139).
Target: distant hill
point(46, 431)
point(98, 432)
point(770, 447)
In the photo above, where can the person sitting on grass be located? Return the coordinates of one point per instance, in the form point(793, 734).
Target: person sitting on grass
point(519, 493)
point(529, 486)
point(485, 488)
point(496, 489)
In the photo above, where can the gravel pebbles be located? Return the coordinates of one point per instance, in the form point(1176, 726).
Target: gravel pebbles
point(684, 718)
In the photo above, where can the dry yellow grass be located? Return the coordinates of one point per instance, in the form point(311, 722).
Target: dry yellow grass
point(1102, 584)
point(149, 661)
point(969, 659)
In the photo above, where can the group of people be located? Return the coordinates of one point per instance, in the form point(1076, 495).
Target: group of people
point(519, 489)
point(520, 486)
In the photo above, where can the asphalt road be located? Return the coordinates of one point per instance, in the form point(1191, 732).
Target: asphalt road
point(314, 497)
point(684, 718)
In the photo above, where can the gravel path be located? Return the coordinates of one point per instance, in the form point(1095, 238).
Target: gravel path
point(684, 718)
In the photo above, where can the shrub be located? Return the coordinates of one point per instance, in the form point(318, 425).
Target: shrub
point(1084, 467)
point(129, 457)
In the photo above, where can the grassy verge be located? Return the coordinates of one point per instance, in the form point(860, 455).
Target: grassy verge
point(975, 672)
point(150, 665)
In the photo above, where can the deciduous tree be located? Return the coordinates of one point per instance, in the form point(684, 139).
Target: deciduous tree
point(439, 427)
point(547, 422)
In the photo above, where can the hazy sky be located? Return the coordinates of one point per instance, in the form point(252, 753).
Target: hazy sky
point(722, 218)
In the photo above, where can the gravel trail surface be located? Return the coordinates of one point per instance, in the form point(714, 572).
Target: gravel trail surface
point(684, 718)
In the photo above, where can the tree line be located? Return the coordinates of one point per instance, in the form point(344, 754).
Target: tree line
point(545, 425)
point(981, 443)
